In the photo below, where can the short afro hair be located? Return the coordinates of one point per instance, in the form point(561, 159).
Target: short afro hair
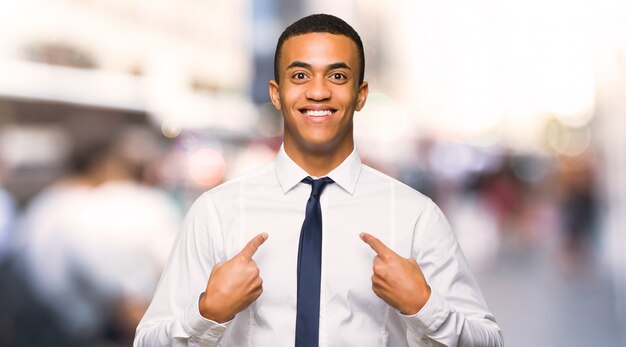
point(321, 23)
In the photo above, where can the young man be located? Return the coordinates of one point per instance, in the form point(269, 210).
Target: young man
point(353, 258)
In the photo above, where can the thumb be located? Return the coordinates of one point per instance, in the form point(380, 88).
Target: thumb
point(252, 246)
point(377, 245)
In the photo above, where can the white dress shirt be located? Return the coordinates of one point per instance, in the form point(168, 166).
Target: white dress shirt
point(273, 200)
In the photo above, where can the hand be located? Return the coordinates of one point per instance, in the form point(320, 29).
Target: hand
point(233, 285)
point(397, 280)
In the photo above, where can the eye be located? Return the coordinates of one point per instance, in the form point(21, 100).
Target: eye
point(338, 76)
point(299, 75)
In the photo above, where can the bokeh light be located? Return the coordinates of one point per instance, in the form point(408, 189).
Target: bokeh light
point(206, 167)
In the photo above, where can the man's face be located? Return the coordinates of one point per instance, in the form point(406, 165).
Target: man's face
point(318, 92)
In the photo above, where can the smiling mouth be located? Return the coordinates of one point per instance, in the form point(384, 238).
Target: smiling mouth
point(318, 113)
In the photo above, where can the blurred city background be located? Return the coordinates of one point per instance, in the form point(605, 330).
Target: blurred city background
point(115, 115)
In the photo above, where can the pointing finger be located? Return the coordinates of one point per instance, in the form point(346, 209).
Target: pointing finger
point(377, 245)
point(253, 245)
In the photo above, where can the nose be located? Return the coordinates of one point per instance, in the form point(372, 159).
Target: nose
point(318, 89)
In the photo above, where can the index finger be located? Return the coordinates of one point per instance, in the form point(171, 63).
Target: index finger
point(253, 245)
point(377, 245)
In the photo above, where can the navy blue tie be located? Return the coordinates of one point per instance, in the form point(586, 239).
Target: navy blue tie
point(309, 267)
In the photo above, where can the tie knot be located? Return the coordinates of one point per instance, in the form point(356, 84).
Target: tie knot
point(318, 184)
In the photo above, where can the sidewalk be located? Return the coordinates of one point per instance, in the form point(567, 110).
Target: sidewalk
point(537, 304)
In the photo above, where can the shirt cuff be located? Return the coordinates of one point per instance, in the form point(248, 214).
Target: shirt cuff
point(201, 328)
point(430, 317)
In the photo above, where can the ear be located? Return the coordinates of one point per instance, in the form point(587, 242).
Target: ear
point(362, 97)
point(274, 94)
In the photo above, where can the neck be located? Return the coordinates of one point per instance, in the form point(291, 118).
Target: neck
point(110, 170)
point(318, 163)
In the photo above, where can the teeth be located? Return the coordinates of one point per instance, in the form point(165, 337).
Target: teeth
point(320, 113)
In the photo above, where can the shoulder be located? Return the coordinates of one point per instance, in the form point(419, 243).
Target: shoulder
point(230, 190)
point(56, 200)
point(374, 179)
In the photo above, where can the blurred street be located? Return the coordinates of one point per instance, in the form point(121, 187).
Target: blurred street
point(539, 305)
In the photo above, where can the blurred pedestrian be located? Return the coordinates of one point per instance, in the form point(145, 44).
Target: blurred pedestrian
point(96, 241)
point(7, 224)
point(578, 210)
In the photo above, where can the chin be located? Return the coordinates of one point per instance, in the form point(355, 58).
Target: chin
point(320, 146)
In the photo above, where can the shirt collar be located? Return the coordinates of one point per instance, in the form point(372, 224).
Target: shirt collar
point(290, 174)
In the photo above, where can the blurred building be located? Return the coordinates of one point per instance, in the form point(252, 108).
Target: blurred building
point(610, 132)
point(79, 69)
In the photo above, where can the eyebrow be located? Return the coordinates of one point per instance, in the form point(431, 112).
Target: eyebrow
point(333, 66)
point(299, 64)
point(340, 65)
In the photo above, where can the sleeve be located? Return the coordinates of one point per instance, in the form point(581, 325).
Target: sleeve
point(173, 317)
point(456, 313)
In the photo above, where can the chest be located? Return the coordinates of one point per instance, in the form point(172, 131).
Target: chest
point(350, 312)
point(346, 259)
